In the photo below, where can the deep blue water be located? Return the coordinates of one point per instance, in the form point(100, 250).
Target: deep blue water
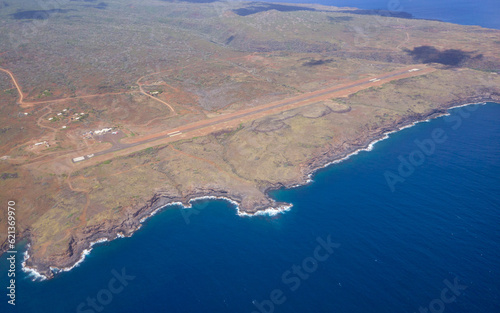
point(397, 248)
point(484, 13)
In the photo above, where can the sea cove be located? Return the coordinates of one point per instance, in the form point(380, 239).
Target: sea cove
point(349, 162)
point(409, 244)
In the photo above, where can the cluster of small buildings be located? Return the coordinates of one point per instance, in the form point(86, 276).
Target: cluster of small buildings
point(58, 114)
point(75, 116)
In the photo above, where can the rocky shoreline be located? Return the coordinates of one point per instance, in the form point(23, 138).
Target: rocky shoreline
point(79, 247)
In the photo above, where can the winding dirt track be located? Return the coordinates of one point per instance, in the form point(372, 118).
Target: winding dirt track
point(21, 96)
point(138, 82)
point(207, 126)
point(26, 104)
point(275, 107)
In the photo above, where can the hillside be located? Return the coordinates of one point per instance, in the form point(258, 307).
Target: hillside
point(113, 109)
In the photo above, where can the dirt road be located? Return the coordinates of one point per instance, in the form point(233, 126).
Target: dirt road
point(230, 120)
point(89, 157)
point(21, 96)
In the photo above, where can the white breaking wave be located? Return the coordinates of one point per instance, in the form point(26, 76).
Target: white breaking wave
point(271, 211)
point(31, 271)
point(85, 252)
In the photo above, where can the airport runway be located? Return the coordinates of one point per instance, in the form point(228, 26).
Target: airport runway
point(286, 104)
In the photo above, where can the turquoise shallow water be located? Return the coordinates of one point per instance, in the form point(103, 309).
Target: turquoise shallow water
point(396, 250)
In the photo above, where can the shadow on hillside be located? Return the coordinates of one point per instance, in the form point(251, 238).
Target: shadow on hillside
point(451, 57)
point(385, 13)
point(317, 62)
point(100, 5)
point(338, 19)
point(262, 7)
point(37, 14)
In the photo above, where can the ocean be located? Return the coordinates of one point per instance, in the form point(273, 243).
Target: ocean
point(467, 12)
point(410, 226)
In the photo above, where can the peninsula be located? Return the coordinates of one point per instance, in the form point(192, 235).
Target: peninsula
point(113, 110)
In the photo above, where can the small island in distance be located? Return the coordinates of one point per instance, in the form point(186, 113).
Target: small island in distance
point(112, 110)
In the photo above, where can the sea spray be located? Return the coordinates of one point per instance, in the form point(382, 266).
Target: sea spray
point(270, 211)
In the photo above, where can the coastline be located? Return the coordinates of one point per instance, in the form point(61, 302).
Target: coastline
point(126, 229)
point(386, 135)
